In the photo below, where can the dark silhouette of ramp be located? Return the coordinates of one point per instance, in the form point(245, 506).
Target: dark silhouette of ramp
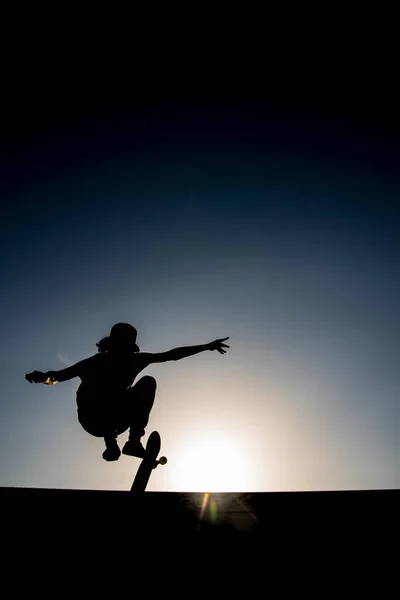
point(216, 515)
point(234, 544)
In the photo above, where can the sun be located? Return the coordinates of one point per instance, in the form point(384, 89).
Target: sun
point(207, 463)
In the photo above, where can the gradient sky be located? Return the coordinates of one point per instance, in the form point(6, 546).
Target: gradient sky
point(280, 232)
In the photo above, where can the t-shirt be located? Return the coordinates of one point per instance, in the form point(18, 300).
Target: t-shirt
point(107, 376)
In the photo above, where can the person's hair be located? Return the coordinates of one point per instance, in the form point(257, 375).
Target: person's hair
point(104, 345)
point(119, 334)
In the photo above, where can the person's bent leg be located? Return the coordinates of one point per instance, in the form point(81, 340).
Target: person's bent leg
point(140, 402)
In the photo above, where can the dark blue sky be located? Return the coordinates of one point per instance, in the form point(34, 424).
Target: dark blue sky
point(274, 224)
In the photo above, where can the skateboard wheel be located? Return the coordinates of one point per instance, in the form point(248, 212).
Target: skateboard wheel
point(163, 460)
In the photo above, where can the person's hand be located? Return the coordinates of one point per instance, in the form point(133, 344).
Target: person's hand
point(36, 377)
point(39, 377)
point(218, 345)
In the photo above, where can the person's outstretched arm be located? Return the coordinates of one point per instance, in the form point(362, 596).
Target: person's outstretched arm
point(185, 351)
point(53, 377)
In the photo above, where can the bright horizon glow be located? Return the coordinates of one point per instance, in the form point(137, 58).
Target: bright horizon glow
point(211, 463)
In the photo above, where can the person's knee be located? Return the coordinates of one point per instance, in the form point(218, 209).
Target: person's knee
point(149, 382)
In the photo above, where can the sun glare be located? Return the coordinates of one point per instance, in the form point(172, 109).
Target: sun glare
point(210, 465)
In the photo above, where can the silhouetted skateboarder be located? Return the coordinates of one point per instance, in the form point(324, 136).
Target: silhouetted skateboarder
point(108, 402)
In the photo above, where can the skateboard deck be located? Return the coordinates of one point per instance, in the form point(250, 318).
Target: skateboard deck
point(149, 462)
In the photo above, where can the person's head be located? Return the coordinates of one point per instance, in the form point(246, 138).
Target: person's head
point(122, 338)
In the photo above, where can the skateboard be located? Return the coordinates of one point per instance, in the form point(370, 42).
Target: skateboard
point(149, 462)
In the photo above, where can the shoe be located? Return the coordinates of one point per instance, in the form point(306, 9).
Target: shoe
point(112, 452)
point(134, 448)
